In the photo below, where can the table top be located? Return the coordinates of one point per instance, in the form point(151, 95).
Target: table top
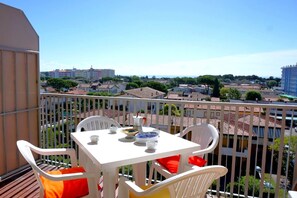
point(114, 150)
point(292, 194)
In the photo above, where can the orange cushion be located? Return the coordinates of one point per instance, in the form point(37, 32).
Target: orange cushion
point(66, 188)
point(171, 163)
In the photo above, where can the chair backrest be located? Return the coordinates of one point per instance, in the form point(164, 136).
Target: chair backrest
point(96, 123)
point(203, 134)
point(194, 183)
point(189, 184)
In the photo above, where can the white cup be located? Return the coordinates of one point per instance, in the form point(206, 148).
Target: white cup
point(152, 145)
point(113, 129)
point(94, 138)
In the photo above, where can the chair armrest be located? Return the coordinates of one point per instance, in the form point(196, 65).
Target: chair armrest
point(201, 152)
point(209, 149)
point(68, 176)
point(57, 151)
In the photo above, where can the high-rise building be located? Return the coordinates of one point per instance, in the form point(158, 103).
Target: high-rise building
point(289, 79)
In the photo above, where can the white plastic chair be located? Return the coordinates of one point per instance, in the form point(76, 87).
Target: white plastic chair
point(96, 123)
point(204, 134)
point(26, 149)
point(190, 184)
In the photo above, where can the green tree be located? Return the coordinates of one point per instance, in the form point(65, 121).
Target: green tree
point(174, 110)
point(234, 94)
point(206, 79)
point(131, 85)
point(106, 79)
point(216, 88)
point(253, 186)
point(136, 80)
point(158, 86)
point(290, 148)
point(271, 83)
point(224, 93)
point(253, 95)
point(230, 93)
point(228, 77)
point(59, 83)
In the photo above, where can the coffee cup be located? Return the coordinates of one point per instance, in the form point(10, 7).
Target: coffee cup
point(94, 138)
point(151, 145)
point(113, 129)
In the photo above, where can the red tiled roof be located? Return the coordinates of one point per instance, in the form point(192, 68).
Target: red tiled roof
point(77, 92)
point(144, 92)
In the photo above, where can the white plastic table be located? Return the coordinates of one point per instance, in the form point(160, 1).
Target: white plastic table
point(292, 194)
point(114, 150)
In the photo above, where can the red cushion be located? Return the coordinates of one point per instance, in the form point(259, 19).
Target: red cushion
point(198, 161)
point(171, 163)
point(65, 188)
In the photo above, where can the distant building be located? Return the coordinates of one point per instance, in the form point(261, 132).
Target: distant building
point(143, 93)
point(289, 80)
point(89, 74)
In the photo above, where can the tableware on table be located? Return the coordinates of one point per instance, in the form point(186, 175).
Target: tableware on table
point(130, 132)
point(138, 122)
point(146, 136)
point(113, 129)
point(94, 139)
point(152, 145)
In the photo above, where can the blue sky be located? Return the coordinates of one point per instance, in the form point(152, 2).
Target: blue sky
point(162, 37)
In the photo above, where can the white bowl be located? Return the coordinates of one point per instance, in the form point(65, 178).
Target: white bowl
point(146, 136)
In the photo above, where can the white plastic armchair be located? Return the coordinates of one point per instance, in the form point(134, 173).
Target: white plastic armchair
point(192, 183)
point(204, 134)
point(96, 123)
point(26, 149)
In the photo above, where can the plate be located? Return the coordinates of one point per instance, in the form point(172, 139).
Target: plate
point(146, 136)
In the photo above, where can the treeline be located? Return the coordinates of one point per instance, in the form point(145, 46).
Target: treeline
point(164, 84)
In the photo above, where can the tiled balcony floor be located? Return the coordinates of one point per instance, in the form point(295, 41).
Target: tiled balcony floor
point(26, 185)
point(23, 186)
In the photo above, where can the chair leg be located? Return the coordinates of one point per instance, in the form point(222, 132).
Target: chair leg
point(151, 174)
point(123, 190)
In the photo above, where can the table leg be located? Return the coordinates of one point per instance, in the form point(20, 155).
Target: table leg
point(92, 182)
point(182, 163)
point(139, 172)
point(82, 158)
point(109, 178)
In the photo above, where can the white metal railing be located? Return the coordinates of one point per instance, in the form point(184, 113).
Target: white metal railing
point(247, 134)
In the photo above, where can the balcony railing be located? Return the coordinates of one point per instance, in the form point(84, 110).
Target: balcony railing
point(257, 142)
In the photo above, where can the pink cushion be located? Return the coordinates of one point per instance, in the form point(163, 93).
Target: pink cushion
point(171, 163)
